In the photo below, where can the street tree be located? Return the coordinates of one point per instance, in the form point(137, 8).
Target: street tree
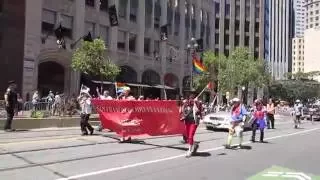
point(91, 58)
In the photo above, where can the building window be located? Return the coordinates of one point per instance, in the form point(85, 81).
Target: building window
point(147, 42)
point(67, 24)
point(134, 4)
point(1, 5)
point(157, 14)
point(216, 38)
point(148, 13)
point(227, 10)
point(104, 34)
point(156, 47)
point(247, 26)
point(217, 22)
point(104, 5)
point(238, 11)
point(226, 40)
point(237, 25)
point(246, 40)
point(256, 27)
point(236, 40)
point(122, 40)
point(247, 12)
point(226, 52)
point(90, 3)
point(48, 20)
point(226, 24)
point(217, 7)
point(123, 8)
point(132, 42)
point(257, 12)
point(90, 27)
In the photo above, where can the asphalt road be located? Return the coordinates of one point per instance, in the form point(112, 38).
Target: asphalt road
point(61, 154)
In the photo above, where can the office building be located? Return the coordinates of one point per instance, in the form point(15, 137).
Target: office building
point(299, 12)
point(135, 44)
point(278, 37)
point(297, 54)
point(311, 51)
point(312, 13)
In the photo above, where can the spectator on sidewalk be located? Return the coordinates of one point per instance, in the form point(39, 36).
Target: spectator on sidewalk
point(11, 100)
point(270, 114)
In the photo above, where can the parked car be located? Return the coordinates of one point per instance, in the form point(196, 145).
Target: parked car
point(221, 121)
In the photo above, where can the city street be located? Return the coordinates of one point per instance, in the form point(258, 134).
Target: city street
point(62, 154)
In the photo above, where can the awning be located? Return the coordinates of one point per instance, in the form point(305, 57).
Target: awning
point(136, 85)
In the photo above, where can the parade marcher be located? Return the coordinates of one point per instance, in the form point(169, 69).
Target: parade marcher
point(192, 113)
point(181, 103)
point(297, 112)
point(86, 109)
point(104, 96)
point(11, 100)
point(125, 95)
point(258, 120)
point(270, 114)
point(238, 116)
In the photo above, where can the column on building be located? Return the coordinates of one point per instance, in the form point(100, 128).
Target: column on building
point(163, 44)
point(182, 45)
point(32, 46)
point(212, 19)
point(232, 30)
point(242, 21)
point(221, 26)
point(141, 34)
point(78, 32)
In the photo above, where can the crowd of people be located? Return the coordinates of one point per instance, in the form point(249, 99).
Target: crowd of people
point(190, 109)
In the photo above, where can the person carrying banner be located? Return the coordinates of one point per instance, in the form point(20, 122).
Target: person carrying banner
point(125, 95)
point(238, 116)
point(259, 116)
point(104, 96)
point(192, 113)
point(86, 109)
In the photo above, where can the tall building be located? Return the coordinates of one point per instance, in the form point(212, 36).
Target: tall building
point(311, 51)
point(299, 12)
point(239, 23)
point(135, 44)
point(312, 13)
point(12, 20)
point(297, 54)
point(278, 37)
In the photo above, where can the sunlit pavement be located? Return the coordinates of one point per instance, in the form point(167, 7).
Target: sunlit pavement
point(64, 154)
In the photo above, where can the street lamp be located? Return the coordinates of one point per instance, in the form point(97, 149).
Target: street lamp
point(87, 37)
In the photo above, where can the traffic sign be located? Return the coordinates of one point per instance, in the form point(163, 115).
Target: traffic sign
point(280, 173)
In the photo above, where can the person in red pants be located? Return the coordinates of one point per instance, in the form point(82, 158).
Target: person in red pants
point(191, 115)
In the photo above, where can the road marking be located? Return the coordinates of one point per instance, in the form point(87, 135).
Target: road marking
point(299, 176)
point(169, 158)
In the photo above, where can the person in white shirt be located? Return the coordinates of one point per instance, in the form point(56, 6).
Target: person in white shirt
point(86, 109)
point(105, 95)
point(297, 112)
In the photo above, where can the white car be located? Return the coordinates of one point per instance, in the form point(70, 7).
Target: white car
point(221, 120)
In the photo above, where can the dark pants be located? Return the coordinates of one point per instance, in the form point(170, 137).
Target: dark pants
point(255, 126)
point(270, 118)
point(84, 124)
point(10, 114)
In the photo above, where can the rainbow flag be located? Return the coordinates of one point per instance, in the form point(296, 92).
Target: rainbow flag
point(198, 67)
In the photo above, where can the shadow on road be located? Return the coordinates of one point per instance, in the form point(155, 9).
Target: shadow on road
point(202, 154)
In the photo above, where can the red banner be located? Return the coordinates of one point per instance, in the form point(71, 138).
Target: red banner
point(133, 118)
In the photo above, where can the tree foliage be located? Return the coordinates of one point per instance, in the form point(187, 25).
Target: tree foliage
point(239, 69)
point(91, 58)
point(291, 90)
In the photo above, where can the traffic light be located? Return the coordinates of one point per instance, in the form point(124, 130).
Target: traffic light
point(164, 32)
point(113, 17)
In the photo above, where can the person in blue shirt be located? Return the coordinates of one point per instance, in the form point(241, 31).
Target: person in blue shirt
point(238, 116)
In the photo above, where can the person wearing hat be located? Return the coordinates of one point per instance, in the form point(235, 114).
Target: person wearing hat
point(258, 120)
point(192, 113)
point(11, 100)
point(297, 112)
point(86, 109)
point(238, 116)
